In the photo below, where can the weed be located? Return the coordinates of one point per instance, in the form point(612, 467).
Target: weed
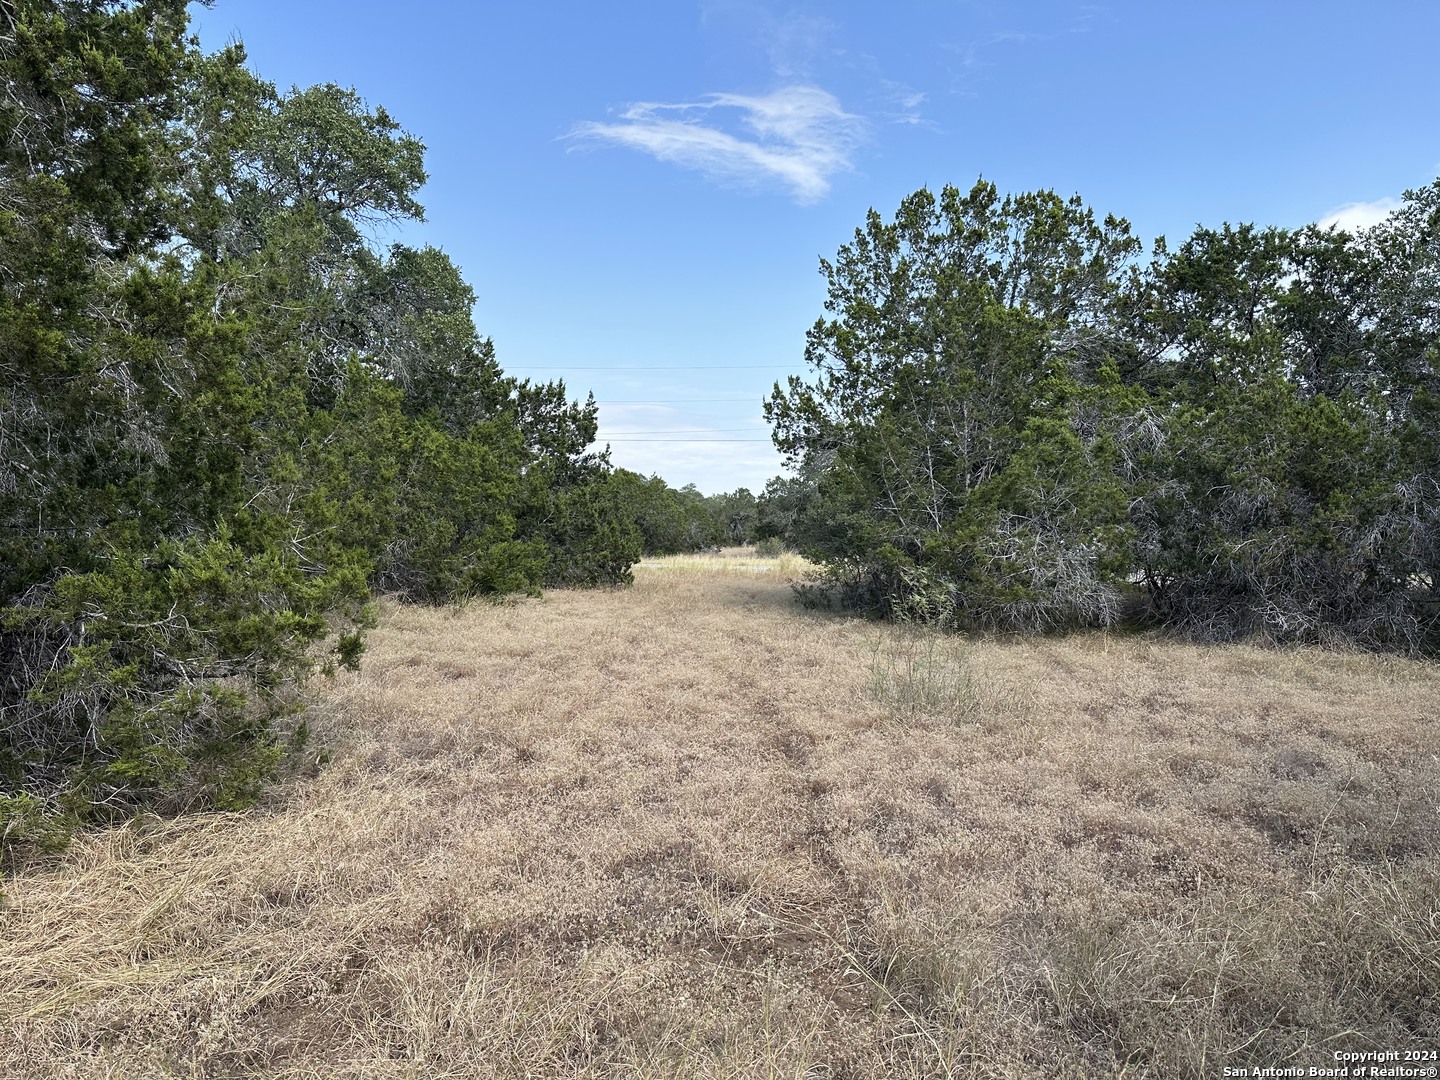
point(919, 674)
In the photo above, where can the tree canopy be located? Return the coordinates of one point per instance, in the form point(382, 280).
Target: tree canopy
point(1013, 420)
point(229, 414)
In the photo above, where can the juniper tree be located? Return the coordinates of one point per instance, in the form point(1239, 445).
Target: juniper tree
point(959, 411)
point(228, 412)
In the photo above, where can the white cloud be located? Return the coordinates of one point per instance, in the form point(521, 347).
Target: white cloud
point(905, 102)
point(794, 42)
point(799, 135)
point(1355, 216)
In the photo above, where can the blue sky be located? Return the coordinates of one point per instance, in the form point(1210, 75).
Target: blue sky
point(640, 193)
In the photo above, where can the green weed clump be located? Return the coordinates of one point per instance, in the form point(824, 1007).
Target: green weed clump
point(924, 675)
point(772, 547)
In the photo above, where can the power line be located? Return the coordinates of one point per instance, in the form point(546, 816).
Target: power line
point(654, 367)
point(685, 431)
point(676, 401)
point(681, 440)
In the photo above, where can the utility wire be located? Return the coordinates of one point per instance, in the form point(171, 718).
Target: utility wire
point(647, 367)
point(685, 431)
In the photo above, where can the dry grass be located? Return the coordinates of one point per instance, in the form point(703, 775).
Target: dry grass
point(732, 560)
point(686, 829)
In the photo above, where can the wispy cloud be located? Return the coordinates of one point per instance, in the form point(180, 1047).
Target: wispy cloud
point(1355, 216)
point(798, 135)
point(904, 102)
point(660, 439)
point(971, 53)
point(793, 41)
point(977, 56)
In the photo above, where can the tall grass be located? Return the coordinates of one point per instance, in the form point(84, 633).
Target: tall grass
point(785, 566)
point(922, 674)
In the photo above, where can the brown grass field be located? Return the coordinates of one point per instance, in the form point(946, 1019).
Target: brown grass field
point(689, 829)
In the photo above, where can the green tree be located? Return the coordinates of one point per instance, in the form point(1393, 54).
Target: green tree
point(737, 515)
point(959, 416)
point(155, 611)
point(228, 414)
point(1282, 496)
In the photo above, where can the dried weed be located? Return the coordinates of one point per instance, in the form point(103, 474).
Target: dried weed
point(689, 829)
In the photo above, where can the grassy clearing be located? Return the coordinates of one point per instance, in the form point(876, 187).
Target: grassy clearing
point(731, 560)
point(688, 829)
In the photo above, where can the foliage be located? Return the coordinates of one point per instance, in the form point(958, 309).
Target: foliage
point(1011, 423)
point(1285, 495)
point(676, 521)
point(784, 508)
point(228, 414)
point(737, 514)
point(959, 428)
point(770, 547)
point(592, 539)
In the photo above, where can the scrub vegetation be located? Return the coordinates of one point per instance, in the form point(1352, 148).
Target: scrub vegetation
point(1013, 421)
point(230, 415)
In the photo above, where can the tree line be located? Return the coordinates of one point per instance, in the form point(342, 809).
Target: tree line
point(674, 521)
point(1014, 419)
point(230, 415)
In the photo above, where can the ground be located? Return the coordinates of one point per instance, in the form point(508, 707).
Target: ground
point(690, 829)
